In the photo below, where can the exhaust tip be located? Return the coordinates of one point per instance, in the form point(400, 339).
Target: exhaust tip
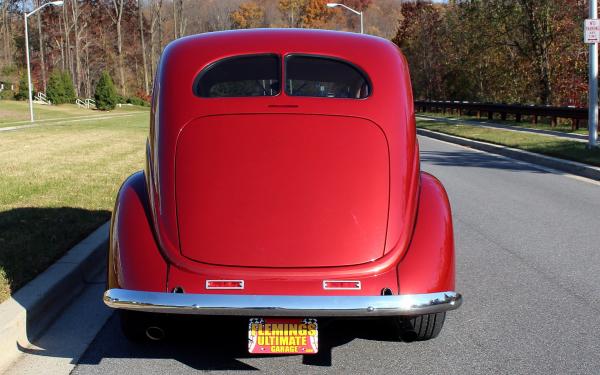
point(155, 333)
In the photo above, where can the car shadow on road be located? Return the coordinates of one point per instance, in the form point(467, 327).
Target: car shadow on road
point(221, 343)
point(477, 160)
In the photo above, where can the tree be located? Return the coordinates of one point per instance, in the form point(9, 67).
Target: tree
point(117, 17)
point(291, 9)
point(23, 93)
point(55, 90)
point(526, 51)
point(6, 29)
point(315, 14)
point(144, 60)
point(41, 42)
point(70, 94)
point(248, 15)
point(156, 35)
point(423, 49)
point(60, 88)
point(179, 19)
point(76, 33)
point(106, 94)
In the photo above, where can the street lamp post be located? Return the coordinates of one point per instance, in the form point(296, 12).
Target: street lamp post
point(25, 17)
point(593, 85)
point(333, 5)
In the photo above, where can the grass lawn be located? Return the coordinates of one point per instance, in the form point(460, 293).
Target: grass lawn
point(13, 113)
point(563, 126)
point(540, 144)
point(59, 183)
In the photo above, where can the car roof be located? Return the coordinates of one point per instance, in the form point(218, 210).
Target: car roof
point(364, 51)
point(381, 60)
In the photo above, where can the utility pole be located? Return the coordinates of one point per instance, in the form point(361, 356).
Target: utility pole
point(593, 25)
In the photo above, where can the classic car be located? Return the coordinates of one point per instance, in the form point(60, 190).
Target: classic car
point(283, 186)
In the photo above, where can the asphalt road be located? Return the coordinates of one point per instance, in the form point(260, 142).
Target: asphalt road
point(528, 265)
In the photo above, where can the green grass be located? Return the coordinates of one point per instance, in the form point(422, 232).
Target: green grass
point(551, 146)
point(58, 183)
point(14, 113)
point(564, 126)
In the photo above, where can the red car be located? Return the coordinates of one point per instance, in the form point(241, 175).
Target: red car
point(282, 184)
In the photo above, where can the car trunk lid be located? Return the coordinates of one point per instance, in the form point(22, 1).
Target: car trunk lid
point(282, 190)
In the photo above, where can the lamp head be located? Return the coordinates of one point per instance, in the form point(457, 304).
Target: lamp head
point(56, 3)
point(332, 5)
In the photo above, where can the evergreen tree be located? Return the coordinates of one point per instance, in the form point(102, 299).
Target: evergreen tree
point(60, 88)
point(69, 89)
point(55, 90)
point(22, 93)
point(106, 94)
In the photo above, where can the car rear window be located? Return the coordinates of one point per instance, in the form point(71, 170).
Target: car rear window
point(255, 75)
point(324, 77)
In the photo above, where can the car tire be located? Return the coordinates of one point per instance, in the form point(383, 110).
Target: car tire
point(134, 325)
point(420, 327)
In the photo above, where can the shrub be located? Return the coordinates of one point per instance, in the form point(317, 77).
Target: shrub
point(60, 88)
point(22, 93)
point(8, 70)
point(137, 101)
point(7, 94)
point(142, 95)
point(106, 94)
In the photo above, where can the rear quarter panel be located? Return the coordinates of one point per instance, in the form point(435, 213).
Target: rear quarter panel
point(134, 260)
point(428, 265)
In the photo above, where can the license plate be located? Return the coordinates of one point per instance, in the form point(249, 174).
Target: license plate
point(283, 336)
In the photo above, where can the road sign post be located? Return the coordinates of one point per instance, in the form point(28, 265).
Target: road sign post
point(592, 37)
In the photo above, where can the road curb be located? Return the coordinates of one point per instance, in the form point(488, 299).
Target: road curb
point(32, 309)
point(572, 167)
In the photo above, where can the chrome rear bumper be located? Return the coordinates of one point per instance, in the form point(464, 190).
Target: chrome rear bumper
point(270, 305)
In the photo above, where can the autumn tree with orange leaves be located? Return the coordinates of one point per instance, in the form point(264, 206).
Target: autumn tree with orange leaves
point(248, 15)
point(527, 51)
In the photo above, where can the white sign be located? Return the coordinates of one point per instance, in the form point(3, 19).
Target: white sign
point(592, 31)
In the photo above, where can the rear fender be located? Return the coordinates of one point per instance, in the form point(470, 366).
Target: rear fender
point(134, 260)
point(428, 264)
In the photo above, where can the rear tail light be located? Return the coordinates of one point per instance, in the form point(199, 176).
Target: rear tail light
point(341, 284)
point(224, 284)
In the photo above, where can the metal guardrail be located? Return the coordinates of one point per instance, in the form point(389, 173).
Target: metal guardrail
point(574, 114)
